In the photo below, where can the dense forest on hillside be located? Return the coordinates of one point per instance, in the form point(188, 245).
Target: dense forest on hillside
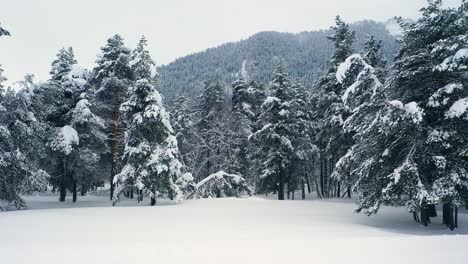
point(305, 55)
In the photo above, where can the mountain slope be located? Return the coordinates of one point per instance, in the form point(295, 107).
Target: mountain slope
point(306, 55)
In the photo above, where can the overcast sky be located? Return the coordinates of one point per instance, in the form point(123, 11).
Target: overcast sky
point(174, 28)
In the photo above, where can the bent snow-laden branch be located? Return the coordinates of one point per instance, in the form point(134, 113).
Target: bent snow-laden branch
point(221, 184)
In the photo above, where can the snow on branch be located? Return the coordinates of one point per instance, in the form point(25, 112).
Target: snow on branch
point(221, 184)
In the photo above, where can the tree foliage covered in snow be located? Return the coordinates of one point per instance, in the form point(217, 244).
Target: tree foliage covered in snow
point(111, 79)
point(151, 155)
point(221, 184)
point(411, 151)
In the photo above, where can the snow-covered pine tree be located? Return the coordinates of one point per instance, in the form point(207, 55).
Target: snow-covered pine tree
point(3, 31)
point(257, 96)
point(151, 154)
point(20, 147)
point(2, 79)
point(373, 56)
point(53, 103)
point(183, 125)
point(274, 137)
point(91, 148)
point(62, 65)
point(329, 109)
point(111, 79)
point(416, 144)
point(211, 113)
point(302, 132)
point(242, 115)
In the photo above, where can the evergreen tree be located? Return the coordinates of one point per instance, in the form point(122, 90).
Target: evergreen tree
point(330, 110)
point(275, 137)
point(20, 147)
point(183, 125)
point(242, 116)
point(372, 56)
point(151, 155)
point(416, 143)
point(210, 116)
point(302, 132)
point(4, 32)
point(2, 79)
point(111, 79)
point(62, 65)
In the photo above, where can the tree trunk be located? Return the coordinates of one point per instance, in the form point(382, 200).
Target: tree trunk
point(63, 192)
point(62, 187)
point(281, 184)
point(131, 192)
point(114, 139)
point(83, 190)
point(74, 190)
point(349, 191)
point(415, 217)
point(432, 210)
point(450, 216)
point(424, 211)
point(303, 189)
point(153, 197)
point(322, 179)
point(338, 189)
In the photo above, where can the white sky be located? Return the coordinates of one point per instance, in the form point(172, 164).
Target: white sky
point(174, 28)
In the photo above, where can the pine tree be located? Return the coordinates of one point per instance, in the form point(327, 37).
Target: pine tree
point(257, 96)
point(151, 154)
point(415, 144)
point(302, 132)
point(372, 56)
point(183, 125)
point(4, 32)
point(62, 65)
point(211, 120)
point(20, 146)
point(2, 79)
point(332, 141)
point(275, 137)
point(92, 145)
point(111, 79)
point(242, 116)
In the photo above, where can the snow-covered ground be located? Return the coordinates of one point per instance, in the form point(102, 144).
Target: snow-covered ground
point(251, 230)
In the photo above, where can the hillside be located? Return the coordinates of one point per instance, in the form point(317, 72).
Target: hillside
point(306, 55)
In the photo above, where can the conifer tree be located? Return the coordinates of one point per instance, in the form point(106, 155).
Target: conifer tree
point(151, 154)
point(111, 79)
point(183, 125)
point(2, 79)
point(332, 141)
point(63, 64)
point(414, 146)
point(4, 32)
point(20, 146)
point(274, 137)
point(210, 115)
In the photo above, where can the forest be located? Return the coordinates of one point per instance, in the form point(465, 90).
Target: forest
point(383, 131)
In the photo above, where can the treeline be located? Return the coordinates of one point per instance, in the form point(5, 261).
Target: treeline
point(306, 54)
point(82, 129)
point(389, 134)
